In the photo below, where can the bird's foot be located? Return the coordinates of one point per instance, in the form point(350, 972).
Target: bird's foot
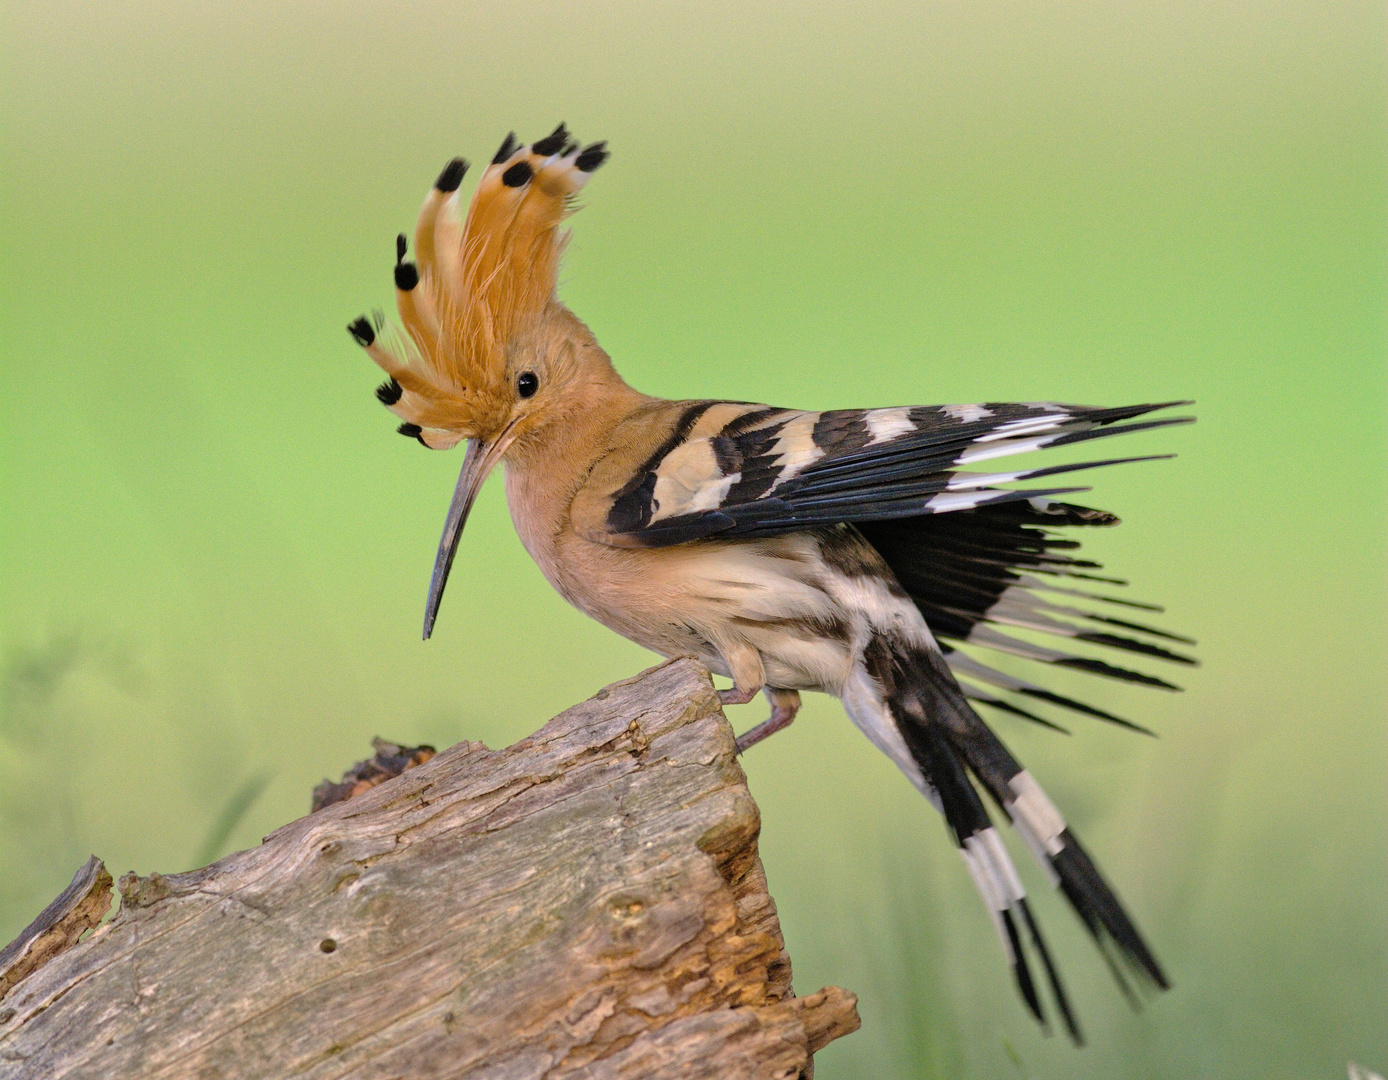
point(734, 696)
point(784, 705)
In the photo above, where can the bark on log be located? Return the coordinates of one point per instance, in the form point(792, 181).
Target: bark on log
point(587, 903)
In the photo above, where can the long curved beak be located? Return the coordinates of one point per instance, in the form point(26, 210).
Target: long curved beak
point(481, 458)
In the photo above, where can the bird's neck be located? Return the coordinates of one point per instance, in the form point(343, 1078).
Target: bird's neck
point(546, 468)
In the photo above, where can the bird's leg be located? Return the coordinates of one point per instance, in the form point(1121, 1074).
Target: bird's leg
point(749, 676)
point(745, 668)
point(784, 705)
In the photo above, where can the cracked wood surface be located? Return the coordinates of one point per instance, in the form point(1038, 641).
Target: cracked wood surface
point(587, 903)
point(77, 909)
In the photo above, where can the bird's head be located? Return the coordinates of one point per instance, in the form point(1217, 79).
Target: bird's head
point(488, 354)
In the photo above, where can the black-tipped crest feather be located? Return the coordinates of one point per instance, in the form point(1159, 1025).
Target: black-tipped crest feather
point(551, 143)
point(389, 392)
point(362, 330)
point(508, 147)
point(592, 155)
point(452, 175)
point(518, 175)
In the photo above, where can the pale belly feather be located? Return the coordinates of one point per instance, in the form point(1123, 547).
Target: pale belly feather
point(779, 596)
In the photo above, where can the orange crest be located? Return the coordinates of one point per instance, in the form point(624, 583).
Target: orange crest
point(476, 287)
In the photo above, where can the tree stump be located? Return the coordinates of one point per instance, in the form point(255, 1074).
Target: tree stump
point(587, 903)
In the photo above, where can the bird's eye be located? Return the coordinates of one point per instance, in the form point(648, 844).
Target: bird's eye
point(527, 384)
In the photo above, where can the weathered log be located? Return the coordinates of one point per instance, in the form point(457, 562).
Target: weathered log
point(389, 761)
point(587, 903)
point(59, 926)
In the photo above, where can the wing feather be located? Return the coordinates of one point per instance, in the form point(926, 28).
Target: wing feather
point(974, 553)
point(729, 469)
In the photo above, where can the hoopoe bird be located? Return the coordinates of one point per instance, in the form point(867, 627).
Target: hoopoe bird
point(852, 552)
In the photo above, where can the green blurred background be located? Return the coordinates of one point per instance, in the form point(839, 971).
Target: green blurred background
point(215, 550)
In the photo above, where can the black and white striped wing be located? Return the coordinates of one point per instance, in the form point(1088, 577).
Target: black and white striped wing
point(980, 559)
point(980, 575)
point(765, 471)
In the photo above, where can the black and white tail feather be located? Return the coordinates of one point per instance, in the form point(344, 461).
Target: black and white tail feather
point(952, 748)
point(969, 556)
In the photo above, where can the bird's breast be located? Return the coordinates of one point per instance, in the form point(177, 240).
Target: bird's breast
point(772, 594)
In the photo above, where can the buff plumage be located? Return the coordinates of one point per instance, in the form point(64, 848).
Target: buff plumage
point(864, 553)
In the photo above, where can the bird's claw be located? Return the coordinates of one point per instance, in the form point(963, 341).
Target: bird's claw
point(781, 716)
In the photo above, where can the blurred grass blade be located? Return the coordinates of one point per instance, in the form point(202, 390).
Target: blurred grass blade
point(231, 814)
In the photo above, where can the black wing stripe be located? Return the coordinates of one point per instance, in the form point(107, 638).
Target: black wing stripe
point(1083, 436)
point(749, 420)
point(900, 500)
point(762, 518)
point(759, 469)
point(872, 465)
point(942, 448)
point(914, 470)
point(1083, 577)
point(961, 571)
point(962, 663)
point(1045, 625)
point(935, 426)
point(683, 529)
point(992, 639)
point(971, 592)
point(633, 505)
point(1132, 645)
point(1038, 558)
point(973, 693)
point(842, 430)
point(1088, 710)
point(1140, 627)
point(1006, 448)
